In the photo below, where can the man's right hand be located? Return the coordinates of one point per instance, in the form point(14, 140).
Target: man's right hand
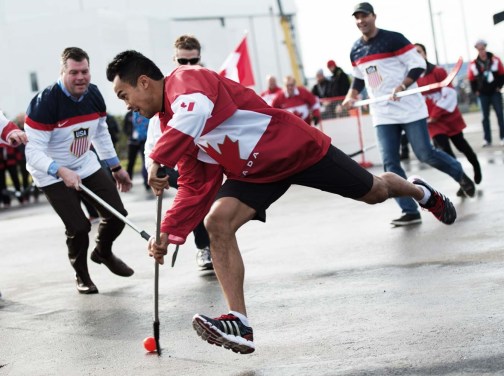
point(70, 178)
point(158, 185)
point(16, 138)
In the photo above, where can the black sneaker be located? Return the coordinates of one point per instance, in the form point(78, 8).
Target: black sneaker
point(407, 219)
point(438, 204)
point(227, 331)
point(467, 185)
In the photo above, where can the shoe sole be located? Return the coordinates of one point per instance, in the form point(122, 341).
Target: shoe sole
point(207, 266)
point(214, 336)
point(88, 291)
point(402, 224)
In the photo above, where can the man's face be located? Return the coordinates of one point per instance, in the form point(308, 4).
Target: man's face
point(186, 57)
point(290, 85)
point(421, 52)
point(76, 77)
point(481, 48)
point(365, 22)
point(272, 84)
point(137, 98)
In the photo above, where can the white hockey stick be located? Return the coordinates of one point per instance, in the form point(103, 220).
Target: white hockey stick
point(421, 89)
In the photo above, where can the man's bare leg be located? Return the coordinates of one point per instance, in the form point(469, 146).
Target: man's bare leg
point(389, 185)
point(226, 216)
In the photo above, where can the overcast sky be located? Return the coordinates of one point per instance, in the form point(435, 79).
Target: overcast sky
point(327, 29)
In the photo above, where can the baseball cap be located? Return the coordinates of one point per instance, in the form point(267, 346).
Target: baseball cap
point(331, 63)
point(480, 41)
point(363, 8)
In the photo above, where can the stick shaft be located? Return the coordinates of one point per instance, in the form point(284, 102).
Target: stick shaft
point(107, 206)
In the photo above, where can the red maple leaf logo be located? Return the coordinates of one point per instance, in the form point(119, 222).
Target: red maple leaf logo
point(229, 155)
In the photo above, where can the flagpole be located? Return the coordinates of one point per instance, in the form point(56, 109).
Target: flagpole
point(257, 70)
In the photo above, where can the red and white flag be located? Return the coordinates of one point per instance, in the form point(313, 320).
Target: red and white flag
point(238, 67)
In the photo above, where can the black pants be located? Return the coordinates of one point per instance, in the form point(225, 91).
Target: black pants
point(67, 204)
point(442, 142)
point(134, 149)
point(200, 233)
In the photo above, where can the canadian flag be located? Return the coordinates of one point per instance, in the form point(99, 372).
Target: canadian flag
point(237, 66)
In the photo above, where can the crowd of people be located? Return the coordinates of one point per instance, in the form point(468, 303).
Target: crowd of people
point(232, 153)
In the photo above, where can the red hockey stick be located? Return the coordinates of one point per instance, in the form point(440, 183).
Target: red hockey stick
point(421, 89)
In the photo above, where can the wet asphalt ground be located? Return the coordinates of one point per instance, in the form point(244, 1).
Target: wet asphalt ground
point(331, 288)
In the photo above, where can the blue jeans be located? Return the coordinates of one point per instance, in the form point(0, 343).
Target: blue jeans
point(495, 100)
point(389, 140)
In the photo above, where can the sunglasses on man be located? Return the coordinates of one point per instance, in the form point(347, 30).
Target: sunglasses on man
point(193, 61)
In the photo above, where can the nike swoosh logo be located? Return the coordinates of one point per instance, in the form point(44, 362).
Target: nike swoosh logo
point(62, 124)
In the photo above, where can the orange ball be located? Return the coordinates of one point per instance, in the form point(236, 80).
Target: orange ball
point(150, 344)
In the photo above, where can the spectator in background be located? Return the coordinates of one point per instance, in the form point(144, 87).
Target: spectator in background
point(113, 128)
point(135, 127)
point(445, 121)
point(272, 91)
point(26, 185)
point(486, 75)
point(299, 101)
point(339, 80)
point(322, 87)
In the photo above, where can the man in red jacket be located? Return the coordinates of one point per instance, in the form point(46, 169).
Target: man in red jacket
point(299, 101)
point(216, 127)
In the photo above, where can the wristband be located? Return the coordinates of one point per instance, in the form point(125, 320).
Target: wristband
point(115, 169)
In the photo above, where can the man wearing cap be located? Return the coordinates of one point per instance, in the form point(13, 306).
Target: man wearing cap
point(486, 75)
point(339, 80)
point(385, 62)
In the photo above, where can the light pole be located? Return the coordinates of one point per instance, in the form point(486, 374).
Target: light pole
point(439, 14)
point(433, 32)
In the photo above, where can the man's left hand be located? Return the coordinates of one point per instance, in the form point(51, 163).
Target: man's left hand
point(123, 180)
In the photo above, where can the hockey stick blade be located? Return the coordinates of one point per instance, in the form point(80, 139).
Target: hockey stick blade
point(421, 89)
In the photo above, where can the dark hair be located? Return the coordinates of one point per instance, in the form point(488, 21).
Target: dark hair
point(187, 42)
point(422, 47)
point(129, 65)
point(74, 53)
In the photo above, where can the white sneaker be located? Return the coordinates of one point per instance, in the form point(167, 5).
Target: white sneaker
point(204, 259)
point(486, 144)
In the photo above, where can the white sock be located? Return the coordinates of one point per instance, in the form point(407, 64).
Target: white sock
point(426, 196)
point(241, 316)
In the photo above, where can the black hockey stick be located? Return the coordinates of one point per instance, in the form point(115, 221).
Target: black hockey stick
point(156, 270)
point(351, 155)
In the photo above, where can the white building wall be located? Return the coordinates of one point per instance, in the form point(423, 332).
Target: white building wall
point(34, 33)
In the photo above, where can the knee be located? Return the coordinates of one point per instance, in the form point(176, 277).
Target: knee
point(79, 230)
point(217, 224)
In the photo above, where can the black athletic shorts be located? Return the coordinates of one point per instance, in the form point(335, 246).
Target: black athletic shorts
point(335, 173)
